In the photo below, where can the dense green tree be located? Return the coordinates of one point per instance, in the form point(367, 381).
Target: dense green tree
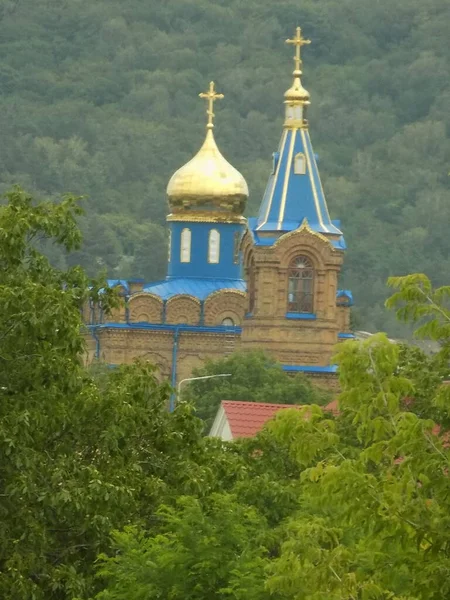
point(215, 550)
point(254, 377)
point(79, 455)
point(371, 509)
point(100, 99)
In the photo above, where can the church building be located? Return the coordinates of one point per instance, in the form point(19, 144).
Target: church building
point(268, 283)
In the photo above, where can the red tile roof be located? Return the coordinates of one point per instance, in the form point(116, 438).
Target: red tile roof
point(246, 419)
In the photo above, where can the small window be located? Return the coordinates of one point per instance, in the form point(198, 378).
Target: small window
point(228, 322)
point(289, 112)
point(169, 246)
point(300, 164)
point(185, 249)
point(237, 241)
point(214, 246)
point(301, 285)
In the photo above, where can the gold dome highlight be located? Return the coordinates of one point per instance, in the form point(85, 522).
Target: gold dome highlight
point(297, 93)
point(208, 181)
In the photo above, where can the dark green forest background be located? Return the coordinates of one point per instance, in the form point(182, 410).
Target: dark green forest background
point(100, 98)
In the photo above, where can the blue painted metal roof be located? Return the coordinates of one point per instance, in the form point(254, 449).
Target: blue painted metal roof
point(115, 282)
point(197, 287)
point(290, 198)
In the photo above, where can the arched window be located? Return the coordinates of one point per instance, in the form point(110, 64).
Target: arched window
point(169, 246)
point(185, 247)
point(300, 164)
point(301, 285)
point(214, 246)
point(237, 241)
point(228, 322)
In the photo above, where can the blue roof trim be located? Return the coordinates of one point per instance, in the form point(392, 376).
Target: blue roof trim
point(165, 327)
point(346, 336)
point(301, 316)
point(198, 287)
point(339, 244)
point(115, 282)
point(309, 369)
point(345, 294)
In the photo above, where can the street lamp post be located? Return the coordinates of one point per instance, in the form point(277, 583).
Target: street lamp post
point(196, 379)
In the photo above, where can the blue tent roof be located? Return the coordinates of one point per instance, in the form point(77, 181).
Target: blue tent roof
point(290, 197)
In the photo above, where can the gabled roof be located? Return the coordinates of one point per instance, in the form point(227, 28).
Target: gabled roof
point(237, 419)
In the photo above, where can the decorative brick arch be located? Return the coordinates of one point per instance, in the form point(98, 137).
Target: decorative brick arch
point(145, 308)
point(183, 309)
point(223, 304)
point(306, 242)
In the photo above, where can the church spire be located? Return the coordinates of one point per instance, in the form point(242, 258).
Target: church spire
point(294, 192)
point(296, 97)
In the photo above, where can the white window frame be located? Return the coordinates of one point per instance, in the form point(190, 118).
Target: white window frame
point(300, 167)
point(214, 247)
point(185, 245)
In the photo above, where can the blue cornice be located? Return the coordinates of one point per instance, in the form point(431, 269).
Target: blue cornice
point(309, 369)
point(166, 327)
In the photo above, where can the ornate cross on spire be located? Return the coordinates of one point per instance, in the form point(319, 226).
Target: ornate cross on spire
point(298, 42)
point(211, 96)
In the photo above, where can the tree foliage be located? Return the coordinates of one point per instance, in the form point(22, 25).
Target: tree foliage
point(101, 99)
point(78, 457)
point(370, 519)
point(254, 377)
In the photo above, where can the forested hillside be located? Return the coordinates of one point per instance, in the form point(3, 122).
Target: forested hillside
point(100, 98)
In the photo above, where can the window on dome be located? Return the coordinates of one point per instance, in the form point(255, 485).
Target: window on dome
point(301, 285)
point(214, 246)
point(289, 112)
point(169, 246)
point(228, 322)
point(185, 248)
point(237, 240)
point(300, 164)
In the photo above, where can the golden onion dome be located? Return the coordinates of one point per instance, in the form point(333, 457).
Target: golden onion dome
point(297, 93)
point(208, 181)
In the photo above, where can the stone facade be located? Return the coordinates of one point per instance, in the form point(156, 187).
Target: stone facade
point(304, 339)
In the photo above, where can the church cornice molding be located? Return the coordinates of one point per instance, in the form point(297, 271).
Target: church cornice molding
point(146, 295)
point(206, 217)
point(225, 292)
point(304, 229)
point(183, 297)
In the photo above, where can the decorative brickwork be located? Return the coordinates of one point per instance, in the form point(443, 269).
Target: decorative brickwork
point(145, 308)
point(299, 338)
point(183, 309)
point(225, 305)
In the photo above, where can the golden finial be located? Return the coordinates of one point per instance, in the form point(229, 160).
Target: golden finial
point(298, 42)
point(211, 96)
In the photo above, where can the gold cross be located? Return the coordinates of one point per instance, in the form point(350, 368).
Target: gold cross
point(298, 42)
point(211, 96)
